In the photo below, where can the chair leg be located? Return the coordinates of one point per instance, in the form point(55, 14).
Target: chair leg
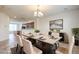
point(21, 50)
point(16, 47)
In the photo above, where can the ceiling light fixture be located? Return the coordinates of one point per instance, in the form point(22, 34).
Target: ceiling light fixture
point(38, 13)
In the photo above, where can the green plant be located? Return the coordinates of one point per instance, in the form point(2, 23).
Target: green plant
point(51, 29)
point(75, 32)
point(37, 31)
point(57, 30)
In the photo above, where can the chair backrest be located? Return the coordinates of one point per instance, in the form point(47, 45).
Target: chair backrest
point(71, 45)
point(24, 37)
point(27, 46)
point(19, 40)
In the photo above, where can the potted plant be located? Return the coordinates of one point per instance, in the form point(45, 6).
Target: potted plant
point(75, 32)
point(37, 31)
point(55, 30)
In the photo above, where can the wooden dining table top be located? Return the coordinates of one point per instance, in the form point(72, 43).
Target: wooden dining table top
point(44, 38)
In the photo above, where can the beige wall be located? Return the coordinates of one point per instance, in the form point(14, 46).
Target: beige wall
point(4, 23)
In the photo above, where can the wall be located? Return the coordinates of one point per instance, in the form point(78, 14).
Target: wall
point(70, 20)
point(4, 22)
point(43, 25)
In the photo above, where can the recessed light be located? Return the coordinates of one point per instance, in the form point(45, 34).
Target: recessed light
point(14, 16)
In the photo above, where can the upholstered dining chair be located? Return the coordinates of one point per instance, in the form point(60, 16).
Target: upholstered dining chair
point(65, 50)
point(28, 48)
point(19, 44)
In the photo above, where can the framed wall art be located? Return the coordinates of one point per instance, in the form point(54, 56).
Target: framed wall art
point(56, 24)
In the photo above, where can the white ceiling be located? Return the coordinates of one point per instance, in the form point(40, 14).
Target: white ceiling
point(27, 11)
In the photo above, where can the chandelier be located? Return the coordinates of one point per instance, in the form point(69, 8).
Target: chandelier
point(38, 13)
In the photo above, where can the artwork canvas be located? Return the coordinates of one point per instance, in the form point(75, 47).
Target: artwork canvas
point(56, 24)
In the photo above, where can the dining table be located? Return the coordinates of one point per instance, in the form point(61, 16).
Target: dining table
point(45, 43)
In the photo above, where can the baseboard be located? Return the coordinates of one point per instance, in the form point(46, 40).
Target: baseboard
point(6, 41)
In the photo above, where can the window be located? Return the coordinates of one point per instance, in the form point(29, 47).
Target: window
point(12, 27)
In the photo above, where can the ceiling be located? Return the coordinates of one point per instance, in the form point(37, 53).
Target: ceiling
point(25, 12)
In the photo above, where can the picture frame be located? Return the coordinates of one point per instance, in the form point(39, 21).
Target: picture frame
point(56, 24)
